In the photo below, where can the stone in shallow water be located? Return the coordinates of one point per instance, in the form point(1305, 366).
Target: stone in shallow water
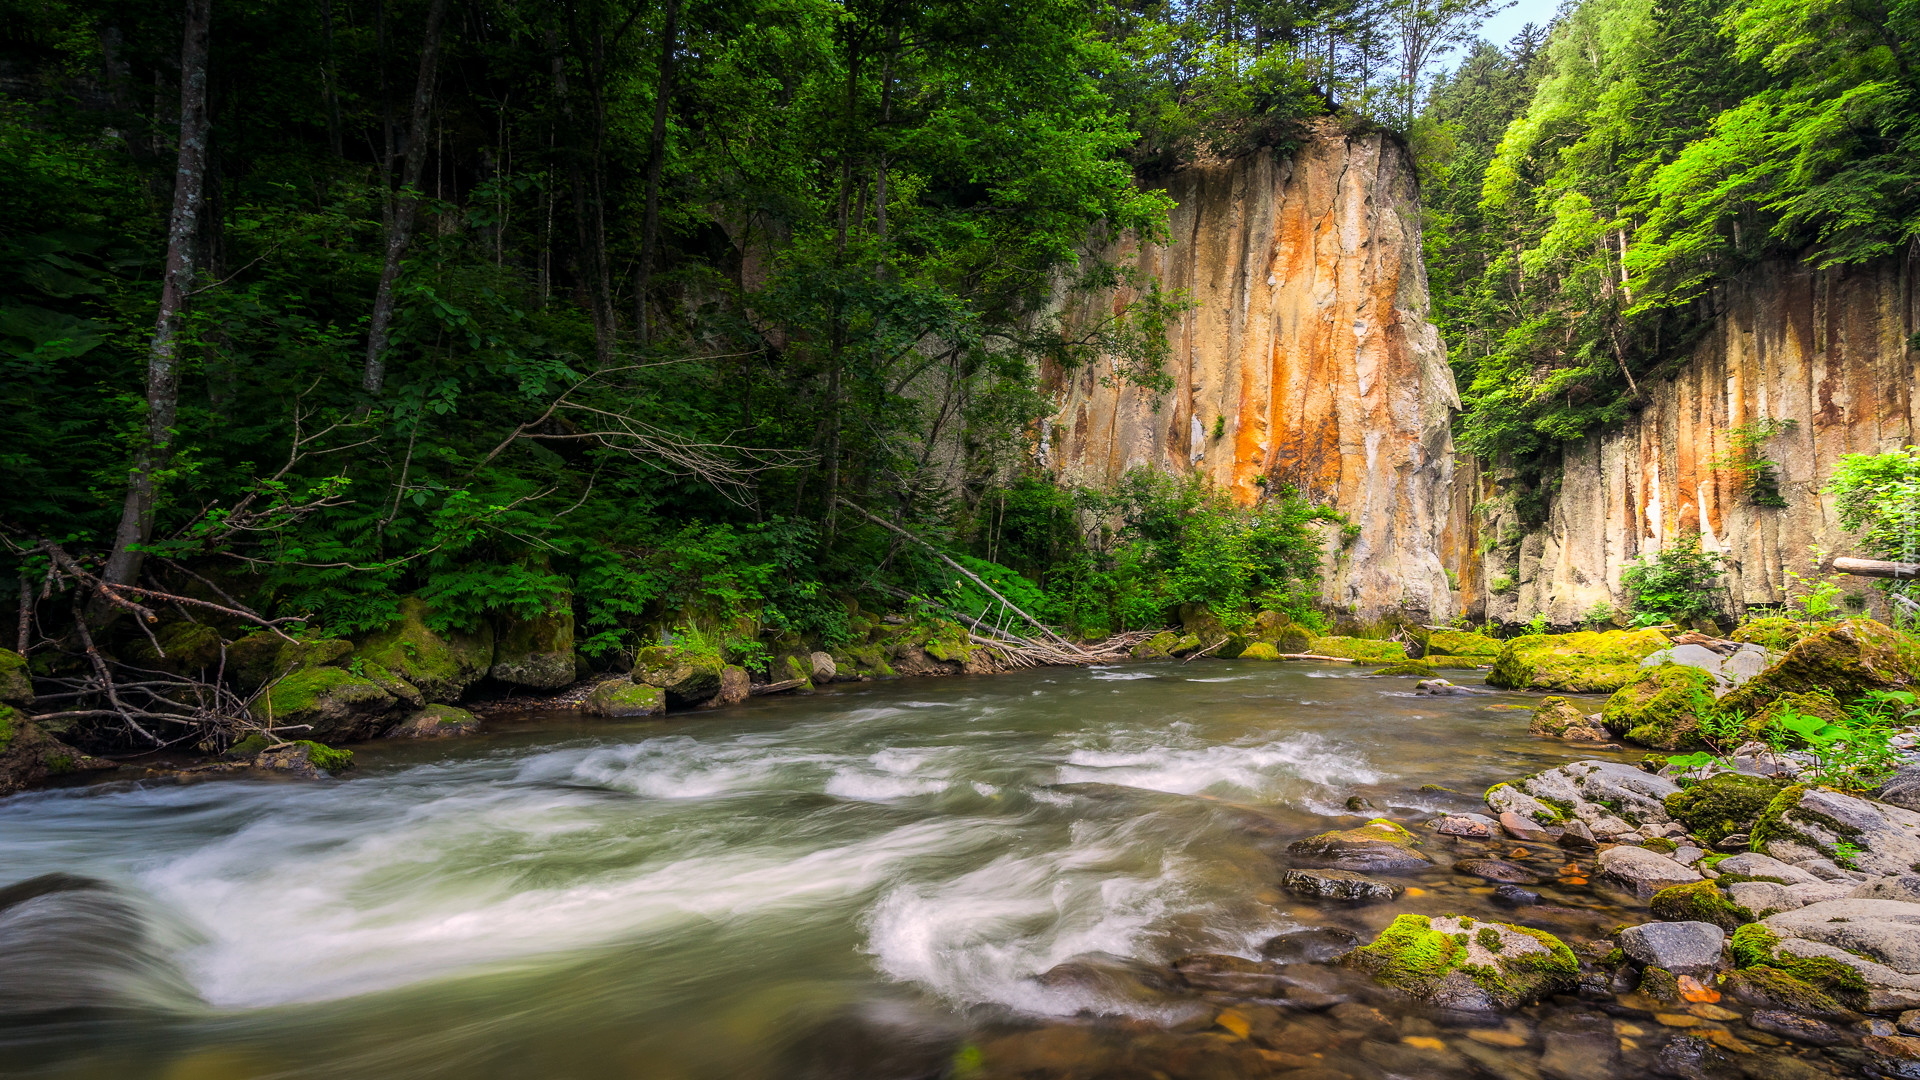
point(1473, 826)
point(1227, 974)
point(1456, 962)
point(1379, 846)
point(1516, 896)
point(1794, 1026)
point(1684, 948)
point(1498, 870)
point(1339, 885)
point(1522, 829)
point(1315, 946)
point(1894, 1055)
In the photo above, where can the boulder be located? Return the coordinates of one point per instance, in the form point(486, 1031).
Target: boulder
point(1521, 828)
point(1364, 649)
point(258, 658)
point(690, 677)
point(329, 704)
point(1158, 647)
point(1846, 658)
point(1462, 643)
point(1456, 962)
point(1417, 668)
point(16, 684)
point(435, 722)
point(1903, 887)
point(30, 757)
point(1721, 804)
point(1896, 1056)
point(622, 698)
point(1902, 789)
point(1806, 822)
point(1727, 669)
point(1605, 794)
point(1379, 846)
point(1761, 898)
point(735, 687)
point(536, 652)
point(1879, 940)
point(1280, 631)
point(1657, 708)
point(305, 758)
point(1644, 872)
point(822, 666)
point(1227, 974)
point(1684, 948)
point(1259, 650)
point(1774, 633)
point(1474, 826)
point(1311, 945)
point(1559, 718)
point(1794, 1026)
point(1752, 864)
point(437, 665)
point(1338, 885)
point(1588, 662)
point(1701, 901)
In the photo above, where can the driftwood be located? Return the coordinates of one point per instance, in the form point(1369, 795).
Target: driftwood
point(1876, 568)
point(776, 687)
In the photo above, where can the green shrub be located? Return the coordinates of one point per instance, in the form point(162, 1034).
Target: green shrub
point(1676, 583)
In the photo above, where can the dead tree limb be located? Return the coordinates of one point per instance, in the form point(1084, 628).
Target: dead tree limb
point(1876, 568)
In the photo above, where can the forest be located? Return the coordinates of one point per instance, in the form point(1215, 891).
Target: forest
point(660, 312)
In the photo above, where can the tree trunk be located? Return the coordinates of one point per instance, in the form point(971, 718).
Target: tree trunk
point(656, 161)
point(163, 370)
point(407, 206)
point(1876, 568)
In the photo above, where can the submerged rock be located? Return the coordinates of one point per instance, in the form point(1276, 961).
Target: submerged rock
point(1588, 662)
point(1338, 885)
point(1498, 870)
point(1315, 945)
point(1227, 974)
point(1379, 846)
point(1456, 962)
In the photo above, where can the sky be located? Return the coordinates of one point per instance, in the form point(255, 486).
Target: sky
point(1501, 28)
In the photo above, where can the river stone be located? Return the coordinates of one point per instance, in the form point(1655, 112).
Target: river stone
point(824, 669)
point(735, 687)
point(536, 652)
point(1820, 892)
point(435, 722)
point(1809, 822)
point(1894, 1055)
point(1474, 826)
point(1879, 939)
point(1227, 974)
point(688, 677)
point(1763, 898)
point(1338, 885)
point(1753, 864)
point(1456, 962)
point(1905, 888)
point(1644, 872)
point(1379, 846)
point(419, 664)
point(1586, 662)
point(1498, 870)
point(1902, 789)
point(1515, 896)
point(622, 698)
point(1315, 945)
point(30, 757)
point(1560, 718)
point(1601, 789)
point(1731, 670)
point(1802, 1028)
point(1684, 948)
point(1848, 657)
point(328, 704)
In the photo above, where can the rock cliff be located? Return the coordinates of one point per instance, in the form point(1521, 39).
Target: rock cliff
point(1829, 350)
point(1307, 359)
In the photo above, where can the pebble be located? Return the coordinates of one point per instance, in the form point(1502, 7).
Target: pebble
point(1794, 1026)
point(1516, 896)
point(1676, 1020)
point(1909, 1022)
point(1712, 1012)
point(1234, 1022)
point(1726, 1040)
point(1423, 1042)
point(1497, 1038)
point(1498, 870)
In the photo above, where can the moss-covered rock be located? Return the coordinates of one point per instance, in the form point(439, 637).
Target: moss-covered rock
point(30, 757)
point(1280, 631)
point(1773, 632)
point(327, 703)
point(185, 648)
point(1722, 804)
point(1847, 658)
point(1378, 846)
point(1260, 650)
point(947, 642)
point(1817, 979)
point(260, 657)
point(1657, 708)
point(689, 676)
point(1588, 662)
point(1554, 716)
point(536, 652)
point(1454, 962)
point(438, 665)
point(304, 757)
point(1699, 901)
point(436, 722)
point(623, 698)
point(1418, 668)
point(1462, 643)
point(1158, 647)
point(1770, 988)
point(16, 684)
point(1353, 648)
point(1818, 703)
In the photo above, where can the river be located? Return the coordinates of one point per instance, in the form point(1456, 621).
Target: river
point(861, 883)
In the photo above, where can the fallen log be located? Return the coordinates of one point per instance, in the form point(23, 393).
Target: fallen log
point(1876, 568)
point(775, 687)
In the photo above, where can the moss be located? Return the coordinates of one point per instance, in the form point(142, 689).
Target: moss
point(1773, 632)
point(1771, 986)
point(1660, 844)
point(1723, 803)
point(1554, 715)
point(1656, 708)
point(1778, 822)
point(185, 647)
point(256, 658)
point(1752, 945)
point(1281, 632)
point(322, 756)
point(1847, 658)
point(1490, 940)
point(1659, 983)
point(1562, 808)
point(1353, 648)
point(536, 652)
point(248, 747)
point(1409, 667)
point(304, 691)
point(440, 665)
point(1260, 650)
point(1699, 901)
point(16, 684)
point(9, 724)
point(1586, 662)
point(1462, 643)
point(1158, 647)
point(1414, 955)
point(621, 698)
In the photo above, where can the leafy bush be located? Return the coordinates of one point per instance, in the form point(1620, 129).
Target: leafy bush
point(1676, 583)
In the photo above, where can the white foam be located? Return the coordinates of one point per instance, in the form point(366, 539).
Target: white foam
point(1256, 769)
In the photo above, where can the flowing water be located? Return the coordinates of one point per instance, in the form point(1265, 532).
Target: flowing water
point(869, 882)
